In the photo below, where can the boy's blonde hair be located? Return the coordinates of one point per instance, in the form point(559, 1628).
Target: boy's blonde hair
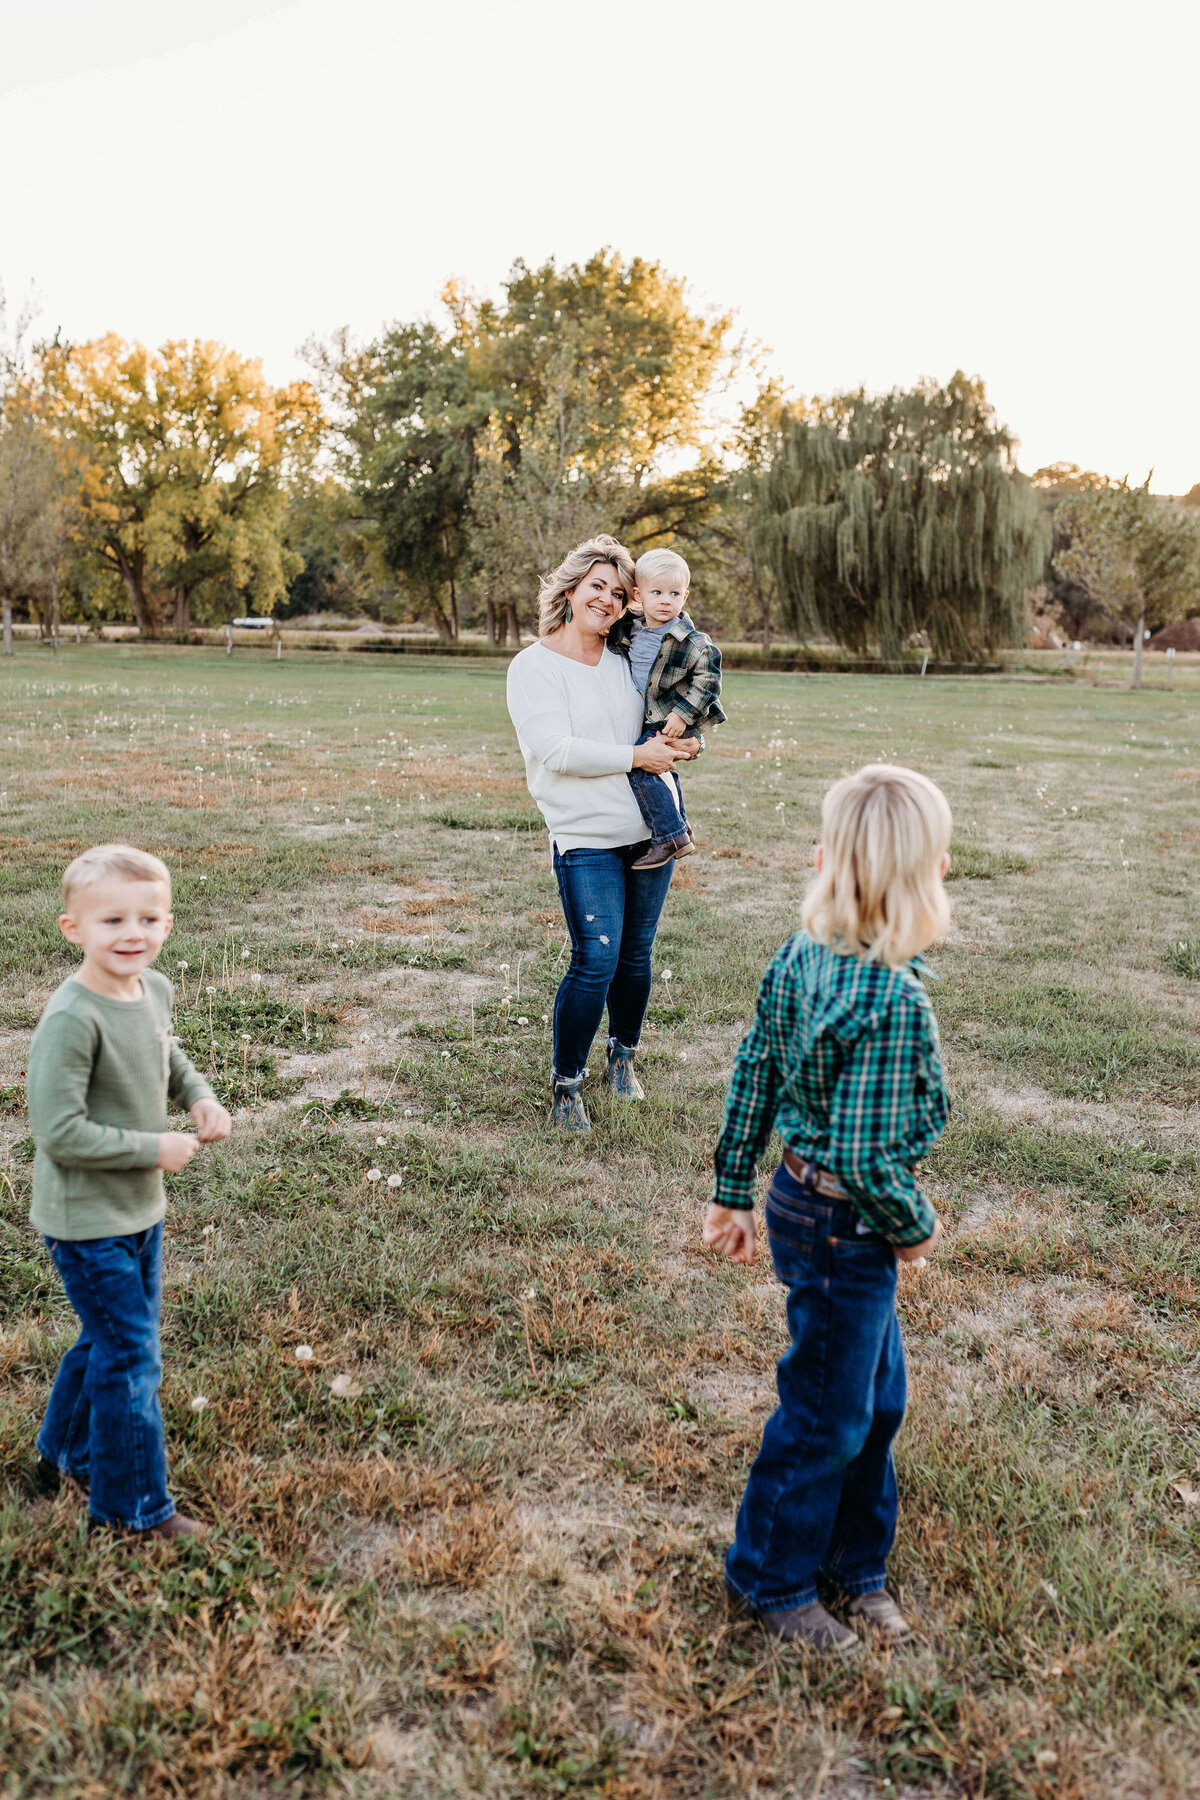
point(111, 859)
point(552, 596)
point(878, 894)
point(661, 562)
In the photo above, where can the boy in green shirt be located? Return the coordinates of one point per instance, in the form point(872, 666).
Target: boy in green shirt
point(101, 1067)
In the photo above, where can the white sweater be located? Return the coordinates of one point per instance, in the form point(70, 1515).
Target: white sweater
point(576, 727)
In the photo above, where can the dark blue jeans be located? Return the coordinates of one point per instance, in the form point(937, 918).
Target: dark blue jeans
point(822, 1492)
point(664, 814)
point(104, 1421)
point(612, 914)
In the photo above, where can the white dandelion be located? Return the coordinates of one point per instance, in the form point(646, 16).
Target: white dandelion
point(199, 1402)
point(395, 1181)
point(374, 1174)
point(303, 1353)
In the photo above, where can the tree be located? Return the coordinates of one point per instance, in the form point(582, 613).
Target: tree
point(1135, 555)
point(886, 516)
point(1054, 484)
point(597, 375)
point(26, 463)
point(187, 451)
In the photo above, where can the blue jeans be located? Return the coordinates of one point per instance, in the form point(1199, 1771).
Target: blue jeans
point(104, 1422)
point(612, 914)
point(822, 1492)
point(664, 815)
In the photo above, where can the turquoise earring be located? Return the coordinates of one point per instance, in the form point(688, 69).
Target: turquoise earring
point(568, 618)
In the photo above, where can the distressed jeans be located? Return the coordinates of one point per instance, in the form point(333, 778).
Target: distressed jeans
point(612, 914)
point(104, 1421)
point(821, 1498)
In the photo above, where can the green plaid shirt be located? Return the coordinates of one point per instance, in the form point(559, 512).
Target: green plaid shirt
point(843, 1060)
point(686, 677)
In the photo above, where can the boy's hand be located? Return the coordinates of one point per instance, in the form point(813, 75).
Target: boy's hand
point(730, 1230)
point(212, 1121)
point(175, 1148)
point(911, 1253)
point(675, 725)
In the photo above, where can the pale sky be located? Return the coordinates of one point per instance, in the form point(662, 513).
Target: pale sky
point(880, 191)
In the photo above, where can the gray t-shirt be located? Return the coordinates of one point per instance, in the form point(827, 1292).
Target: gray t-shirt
point(643, 649)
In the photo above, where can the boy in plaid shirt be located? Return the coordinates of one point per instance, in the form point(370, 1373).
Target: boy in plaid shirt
point(843, 1060)
point(678, 669)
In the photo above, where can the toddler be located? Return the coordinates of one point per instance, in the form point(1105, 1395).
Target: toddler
point(843, 1060)
point(678, 669)
point(101, 1066)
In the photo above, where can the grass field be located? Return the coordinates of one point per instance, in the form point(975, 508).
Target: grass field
point(473, 1545)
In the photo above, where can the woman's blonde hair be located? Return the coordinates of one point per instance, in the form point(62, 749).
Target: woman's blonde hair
point(552, 596)
point(878, 894)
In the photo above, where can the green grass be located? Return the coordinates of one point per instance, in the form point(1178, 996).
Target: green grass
point(489, 1561)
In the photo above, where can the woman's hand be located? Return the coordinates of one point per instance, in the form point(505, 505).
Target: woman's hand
point(731, 1230)
point(660, 754)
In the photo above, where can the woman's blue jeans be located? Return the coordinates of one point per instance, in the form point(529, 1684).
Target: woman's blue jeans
point(104, 1421)
point(612, 913)
point(821, 1497)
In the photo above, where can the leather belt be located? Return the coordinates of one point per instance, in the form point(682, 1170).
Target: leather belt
point(822, 1181)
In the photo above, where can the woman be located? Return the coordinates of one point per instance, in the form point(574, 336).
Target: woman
point(577, 714)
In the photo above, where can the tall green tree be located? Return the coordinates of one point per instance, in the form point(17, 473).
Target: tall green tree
point(1137, 555)
point(885, 516)
point(482, 448)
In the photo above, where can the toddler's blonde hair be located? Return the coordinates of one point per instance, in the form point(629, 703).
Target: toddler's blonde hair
point(111, 859)
point(878, 894)
point(661, 562)
point(552, 596)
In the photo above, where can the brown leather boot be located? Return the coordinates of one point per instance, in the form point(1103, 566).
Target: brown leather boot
point(658, 854)
point(177, 1526)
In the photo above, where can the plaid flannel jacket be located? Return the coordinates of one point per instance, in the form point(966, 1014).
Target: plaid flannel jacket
point(843, 1059)
point(686, 677)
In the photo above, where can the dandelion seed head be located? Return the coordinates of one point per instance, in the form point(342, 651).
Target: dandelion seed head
point(374, 1174)
point(208, 1231)
point(395, 1181)
point(255, 978)
point(529, 1294)
point(245, 954)
point(183, 968)
point(199, 1402)
point(381, 1141)
point(522, 1020)
point(210, 990)
point(303, 1353)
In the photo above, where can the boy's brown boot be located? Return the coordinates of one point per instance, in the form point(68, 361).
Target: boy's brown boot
point(177, 1526)
point(880, 1610)
point(810, 1625)
point(658, 854)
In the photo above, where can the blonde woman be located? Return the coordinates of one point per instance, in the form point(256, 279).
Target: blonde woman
point(577, 716)
point(843, 1062)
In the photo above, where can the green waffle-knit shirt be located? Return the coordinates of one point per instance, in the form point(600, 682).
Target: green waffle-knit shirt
point(100, 1073)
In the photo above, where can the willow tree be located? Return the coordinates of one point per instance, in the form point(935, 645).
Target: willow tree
point(885, 516)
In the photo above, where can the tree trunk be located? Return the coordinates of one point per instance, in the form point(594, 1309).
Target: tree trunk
point(490, 608)
point(135, 586)
point(183, 613)
point(1138, 641)
point(7, 609)
point(453, 613)
point(510, 613)
point(55, 608)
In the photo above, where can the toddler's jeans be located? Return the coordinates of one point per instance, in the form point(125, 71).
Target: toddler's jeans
point(104, 1422)
point(821, 1497)
point(660, 797)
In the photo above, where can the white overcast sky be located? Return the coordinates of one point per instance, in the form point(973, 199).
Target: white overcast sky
point(880, 190)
